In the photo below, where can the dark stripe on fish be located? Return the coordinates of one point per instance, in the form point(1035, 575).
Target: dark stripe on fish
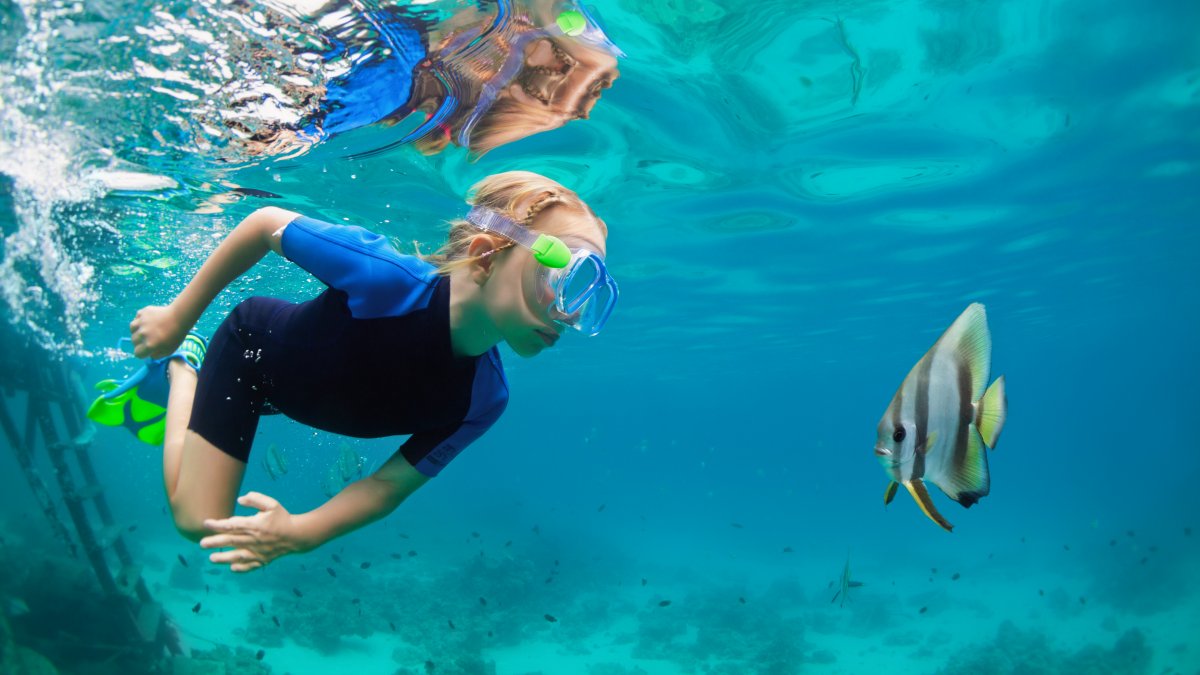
point(965, 414)
point(922, 416)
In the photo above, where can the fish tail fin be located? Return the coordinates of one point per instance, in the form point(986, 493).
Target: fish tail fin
point(991, 412)
point(890, 493)
point(967, 480)
point(919, 494)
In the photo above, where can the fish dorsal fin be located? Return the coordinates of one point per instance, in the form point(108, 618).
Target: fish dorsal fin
point(973, 344)
point(991, 411)
point(965, 478)
point(890, 493)
point(916, 488)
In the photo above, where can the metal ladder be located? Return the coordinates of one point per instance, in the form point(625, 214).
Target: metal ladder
point(54, 423)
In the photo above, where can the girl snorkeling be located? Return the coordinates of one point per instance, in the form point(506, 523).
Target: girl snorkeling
point(396, 344)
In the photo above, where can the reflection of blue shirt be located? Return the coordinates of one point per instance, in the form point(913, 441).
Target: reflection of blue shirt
point(371, 356)
point(376, 85)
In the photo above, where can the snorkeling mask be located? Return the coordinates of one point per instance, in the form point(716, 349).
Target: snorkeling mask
point(584, 292)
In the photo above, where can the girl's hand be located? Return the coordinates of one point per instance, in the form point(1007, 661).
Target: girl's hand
point(256, 540)
point(156, 332)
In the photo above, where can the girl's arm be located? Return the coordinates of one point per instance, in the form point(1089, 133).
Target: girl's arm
point(360, 503)
point(238, 252)
point(157, 331)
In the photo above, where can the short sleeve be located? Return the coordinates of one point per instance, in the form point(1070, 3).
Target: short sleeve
point(378, 280)
point(430, 452)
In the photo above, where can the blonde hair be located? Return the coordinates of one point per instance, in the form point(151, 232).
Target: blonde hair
point(502, 192)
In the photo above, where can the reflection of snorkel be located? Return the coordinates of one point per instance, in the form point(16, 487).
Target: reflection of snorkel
point(579, 23)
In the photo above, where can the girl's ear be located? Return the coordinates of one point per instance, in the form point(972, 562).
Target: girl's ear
point(481, 263)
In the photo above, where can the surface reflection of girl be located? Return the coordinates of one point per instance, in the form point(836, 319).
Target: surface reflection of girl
point(479, 79)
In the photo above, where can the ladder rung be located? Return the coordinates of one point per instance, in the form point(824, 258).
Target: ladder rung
point(86, 492)
point(105, 537)
point(149, 616)
point(129, 576)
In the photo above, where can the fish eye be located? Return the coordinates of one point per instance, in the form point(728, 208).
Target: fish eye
point(898, 435)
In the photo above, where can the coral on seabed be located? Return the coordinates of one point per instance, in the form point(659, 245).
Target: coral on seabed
point(220, 660)
point(1015, 651)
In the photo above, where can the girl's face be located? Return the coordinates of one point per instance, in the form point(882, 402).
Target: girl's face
point(519, 301)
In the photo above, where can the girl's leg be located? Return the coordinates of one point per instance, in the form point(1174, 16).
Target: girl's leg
point(201, 480)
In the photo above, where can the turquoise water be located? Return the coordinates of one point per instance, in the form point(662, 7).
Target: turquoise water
point(801, 197)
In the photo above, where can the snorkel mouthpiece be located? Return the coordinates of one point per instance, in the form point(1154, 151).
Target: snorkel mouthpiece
point(551, 251)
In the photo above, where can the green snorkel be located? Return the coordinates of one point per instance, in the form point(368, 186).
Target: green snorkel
point(571, 22)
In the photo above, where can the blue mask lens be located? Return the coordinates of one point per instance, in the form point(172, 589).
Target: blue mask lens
point(585, 294)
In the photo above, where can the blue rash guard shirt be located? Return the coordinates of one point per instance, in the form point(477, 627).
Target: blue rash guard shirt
point(369, 357)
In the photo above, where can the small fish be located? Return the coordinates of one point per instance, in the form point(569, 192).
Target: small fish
point(1082, 600)
point(403, 536)
point(941, 419)
point(1187, 531)
point(297, 593)
point(601, 508)
point(933, 570)
point(508, 543)
point(260, 654)
point(182, 560)
point(365, 566)
point(1130, 533)
point(737, 526)
point(429, 666)
point(549, 579)
point(489, 633)
point(1112, 542)
point(923, 610)
point(253, 192)
point(788, 549)
point(741, 600)
point(955, 576)
point(450, 623)
point(474, 535)
point(276, 620)
point(482, 601)
point(845, 584)
point(393, 626)
point(336, 557)
point(1041, 592)
point(355, 601)
point(206, 588)
point(132, 528)
point(261, 609)
point(1066, 547)
point(644, 582)
point(537, 529)
point(412, 554)
point(331, 572)
point(664, 603)
point(550, 618)
point(196, 609)
point(397, 556)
